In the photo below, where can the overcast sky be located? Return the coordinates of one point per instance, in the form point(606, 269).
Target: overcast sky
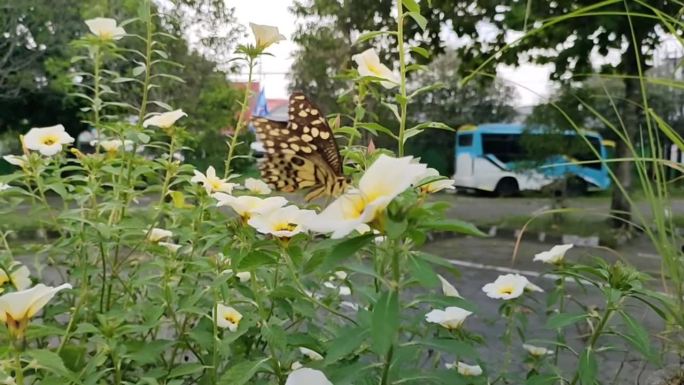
point(531, 81)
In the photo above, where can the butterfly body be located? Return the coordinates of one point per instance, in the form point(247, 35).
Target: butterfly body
point(301, 153)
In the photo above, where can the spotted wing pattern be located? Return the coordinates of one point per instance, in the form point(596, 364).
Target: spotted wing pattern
point(301, 153)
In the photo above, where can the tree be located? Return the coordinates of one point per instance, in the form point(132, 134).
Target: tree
point(35, 64)
point(565, 33)
point(476, 102)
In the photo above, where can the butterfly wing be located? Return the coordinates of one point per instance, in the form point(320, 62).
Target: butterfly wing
point(301, 153)
point(290, 163)
point(307, 121)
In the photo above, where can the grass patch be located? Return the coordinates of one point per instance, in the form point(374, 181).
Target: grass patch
point(565, 224)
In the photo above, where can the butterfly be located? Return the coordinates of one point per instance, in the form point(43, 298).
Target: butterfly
point(301, 153)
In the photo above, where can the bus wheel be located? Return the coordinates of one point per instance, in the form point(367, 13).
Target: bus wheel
point(507, 187)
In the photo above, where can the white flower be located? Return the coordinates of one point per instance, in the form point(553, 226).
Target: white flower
point(342, 290)
point(306, 376)
point(18, 307)
point(509, 286)
point(157, 234)
point(536, 350)
point(246, 206)
point(105, 28)
point(172, 247)
point(451, 318)
point(555, 255)
point(341, 274)
point(386, 178)
point(227, 317)
point(16, 160)
point(244, 276)
point(113, 145)
point(257, 186)
point(296, 365)
point(437, 185)
point(211, 182)
point(345, 290)
point(165, 119)
point(4, 186)
point(47, 140)
point(19, 276)
point(284, 222)
point(265, 35)
point(368, 64)
point(448, 289)
point(465, 369)
point(312, 354)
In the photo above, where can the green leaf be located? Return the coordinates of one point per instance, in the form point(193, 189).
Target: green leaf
point(637, 336)
point(411, 5)
point(422, 272)
point(559, 321)
point(51, 362)
point(241, 373)
point(454, 226)
point(372, 34)
point(346, 342)
point(410, 133)
point(138, 70)
point(345, 249)
point(431, 87)
point(420, 20)
point(438, 125)
point(375, 127)
point(256, 259)
point(275, 336)
point(385, 322)
point(458, 348)
point(421, 51)
point(73, 356)
point(186, 370)
point(543, 379)
point(587, 367)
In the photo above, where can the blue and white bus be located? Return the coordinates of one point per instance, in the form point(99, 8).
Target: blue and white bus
point(488, 158)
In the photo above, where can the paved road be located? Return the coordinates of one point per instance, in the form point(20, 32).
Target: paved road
point(479, 209)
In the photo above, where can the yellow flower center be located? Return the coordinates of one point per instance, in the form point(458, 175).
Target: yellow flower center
point(49, 140)
point(374, 69)
point(215, 184)
point(353, 207)
point(232, 318)
point(285, 226)
point(507, 290)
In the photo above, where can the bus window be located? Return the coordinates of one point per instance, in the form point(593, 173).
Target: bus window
point(465, 140)
point(506, 147)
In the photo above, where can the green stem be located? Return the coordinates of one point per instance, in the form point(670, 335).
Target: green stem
point(103, 260)
point(561, 310)
point(302, 289)
point(214, 358)
point(508, 341)
point(97, 103)
point(607, 314)
point(402, 70)
point(241, 118)
point(384, 380)
point(19, 375)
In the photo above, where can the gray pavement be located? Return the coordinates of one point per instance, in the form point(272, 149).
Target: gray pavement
point(479, 209)
point(480, 261)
